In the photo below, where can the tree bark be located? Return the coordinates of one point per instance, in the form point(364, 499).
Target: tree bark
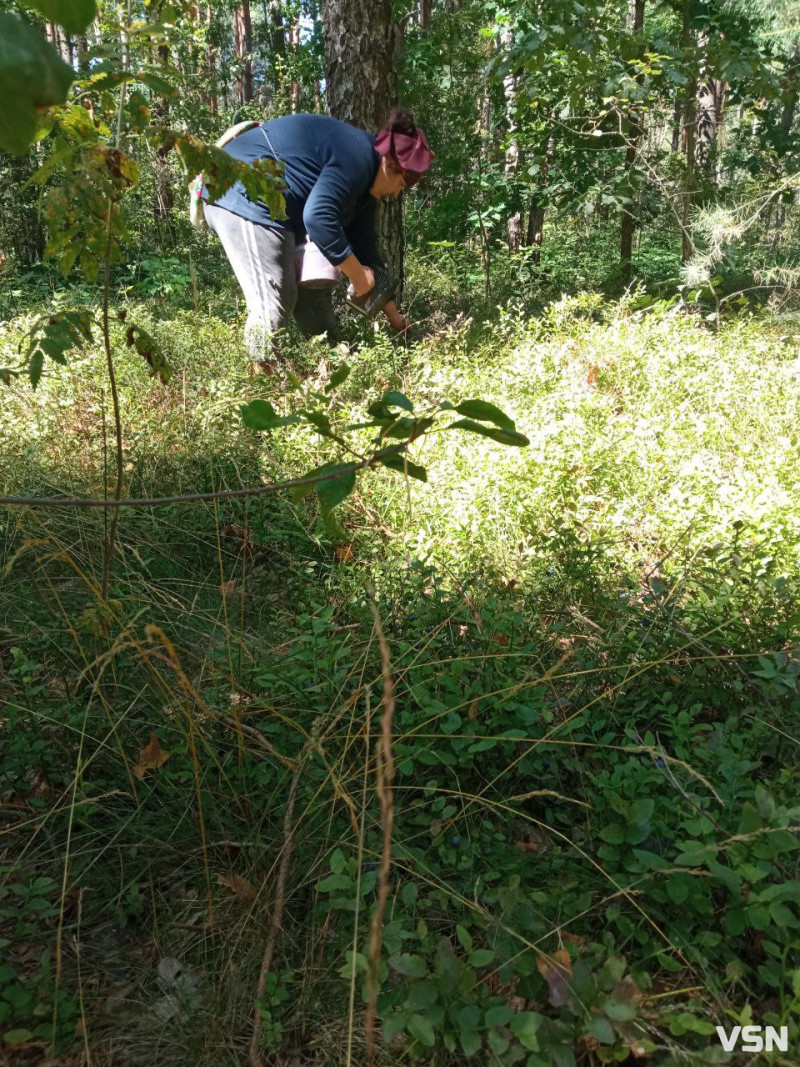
point(690, 131)
point(535, 231)
point(294, 41)
point(211, 66)
point(634, 136)
point(243, 35)
point(514, 224)
point(362, 41)
point(425, 15)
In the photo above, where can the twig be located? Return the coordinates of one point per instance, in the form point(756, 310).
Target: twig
point(384, 780)
point(277, 914)
point(185, 498)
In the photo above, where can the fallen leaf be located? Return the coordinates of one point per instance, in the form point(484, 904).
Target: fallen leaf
point(527, 846)
point(240, 887)
point(556, 971)
point(472, 714)
point(499, 639)
point(344, 553)
point(675, 679)
point(592, 374)
point(151, 757)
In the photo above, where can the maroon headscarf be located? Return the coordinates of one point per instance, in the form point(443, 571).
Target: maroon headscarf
point(411, 154)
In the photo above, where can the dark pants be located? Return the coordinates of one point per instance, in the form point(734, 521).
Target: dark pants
point(263, 260)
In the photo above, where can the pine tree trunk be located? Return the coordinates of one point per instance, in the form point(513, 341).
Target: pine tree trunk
point(362, 41)
point(535, 231)
point(211, 66)
point(514, 224)
point(244, 47)
point(634, 135)
point(294, 41)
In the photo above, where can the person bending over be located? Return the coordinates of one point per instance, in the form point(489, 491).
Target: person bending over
point(334, 175)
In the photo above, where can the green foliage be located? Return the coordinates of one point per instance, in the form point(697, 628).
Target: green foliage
point(32, 79)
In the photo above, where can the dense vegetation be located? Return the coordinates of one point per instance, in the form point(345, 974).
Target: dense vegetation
point(496, 724)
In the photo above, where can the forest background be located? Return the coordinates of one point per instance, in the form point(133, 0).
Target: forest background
point(439, 702)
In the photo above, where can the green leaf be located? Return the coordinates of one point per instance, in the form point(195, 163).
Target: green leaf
point(421, 1028)
point(525, 1026)
point(499, 1015)
point(334, 882)
point(17, 1037)
point(469, 1017)
point(601, 1028)
point(621, 1011)
point(394, 399)
point(356, 964)
point(408, 964)
point(32, 76)
point(641, 812)
point(485, 412)
point(502, 436)
point(338, 376)
point(337, 861)
point(393, 1026)
point(261, 415)
point(464, 938)
point(333, 490)
point(421, 995)
point(481, 957)
point(470, 1041)
point(403, 465)
point(74, 15)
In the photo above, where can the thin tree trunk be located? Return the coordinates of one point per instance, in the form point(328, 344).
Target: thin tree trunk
point(425, 15)
point(690, 130)
point(634, 139)
point(294, 41)
point(677, 126)
point(362, 41)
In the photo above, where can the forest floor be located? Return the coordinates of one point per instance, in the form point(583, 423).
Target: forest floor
point(594, 646)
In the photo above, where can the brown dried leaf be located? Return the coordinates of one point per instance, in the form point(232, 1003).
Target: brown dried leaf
point(527, 846)
point(556, 971)
point(344, 553)
point(240, 887)
point(151, 757)
point(472, 714)
point(592, 374)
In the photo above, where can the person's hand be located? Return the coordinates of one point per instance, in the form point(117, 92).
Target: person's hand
point(399, 322)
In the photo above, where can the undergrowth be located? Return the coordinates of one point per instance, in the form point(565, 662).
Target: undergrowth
point(594, 654)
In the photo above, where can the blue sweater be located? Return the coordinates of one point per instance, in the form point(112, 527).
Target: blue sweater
point(329, 168)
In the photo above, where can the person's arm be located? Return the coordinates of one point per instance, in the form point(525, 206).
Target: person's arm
point(363, 238)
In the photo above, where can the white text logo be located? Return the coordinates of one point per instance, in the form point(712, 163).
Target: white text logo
point(752, 1040)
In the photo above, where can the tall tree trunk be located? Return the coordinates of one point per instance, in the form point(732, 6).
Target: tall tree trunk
point(690, 130)
point(294, 41)
point(362, 41)
point(710, 102)
point(211, 66)
point(512, 150)
point(425, 15)
point(244, 47)
point(535, 231)
point(163, 196)
point(677, 125)
point(634, 134)
point(791, 94)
